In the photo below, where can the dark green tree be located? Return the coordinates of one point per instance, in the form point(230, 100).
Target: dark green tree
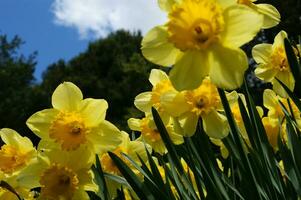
point(16, 79)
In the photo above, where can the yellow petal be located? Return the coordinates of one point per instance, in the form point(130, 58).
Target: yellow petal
point(270, 100)
point(156, 76)
point(241, 25)
point(13, 138)
point(187, 124)
point(262, 52)
point(40, 122)
point(134, 124)
point(265, 72)
point(93, 111)
point(288, 80)
point(106, 137)
point(227, 67)
point(174, 103)
point(66, 97)
point(138, 148)
point(143, 101)
point(189, 71)
point(157, 49)
point(215, 125)
point(271, 16)
point(279, 39)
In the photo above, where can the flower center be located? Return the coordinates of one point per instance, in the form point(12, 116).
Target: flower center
point(69, 130)
point(158, 90)
point(279, 59)
point(150, 134)
point(108, 164)
point(195, 24)
point(11, 159)
point(203, 99)
point(58, 182)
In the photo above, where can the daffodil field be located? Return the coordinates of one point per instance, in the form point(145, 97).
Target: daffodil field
point(202, 136)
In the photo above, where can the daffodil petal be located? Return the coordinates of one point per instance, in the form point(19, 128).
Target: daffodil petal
point(93, 111)
point(138, 148)
point(265, 72)
point(143, 101)
point(271, 15)
point(66, 97)
point(174, 103)
point(288, 80)
point(189, 71)
point(241, 25)
point(134, 124)
point(157, 49)
point(188, 123)
point(262, 52)
point(215, 125)
point(156, 76)
point(269, 99)
point(40, 122)
point(11, 137)
point(106, 137)
point(279, 40)
point(227, 67)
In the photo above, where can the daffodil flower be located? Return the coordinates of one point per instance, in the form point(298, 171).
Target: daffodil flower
point(162, 92)
point(16, 153)
point(74, 121)
point(203, 102)
point(273, 64)
point(60, 174)
point(271, 16)
point(150, 133)
point(203, 38)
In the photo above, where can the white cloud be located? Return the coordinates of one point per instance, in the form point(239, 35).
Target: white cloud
point(94, 18)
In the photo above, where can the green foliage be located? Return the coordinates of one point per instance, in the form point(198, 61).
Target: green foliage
point(16, 78)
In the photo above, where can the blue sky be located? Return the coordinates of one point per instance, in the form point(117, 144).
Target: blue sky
point(61, 29)
point(32, 20)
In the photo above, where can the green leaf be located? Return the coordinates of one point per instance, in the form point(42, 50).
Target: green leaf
point(138, 186)
point(293, 63)
point(100, 180)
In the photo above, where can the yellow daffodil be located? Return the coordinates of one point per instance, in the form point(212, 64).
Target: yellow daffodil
point(203, 38)
point(271, 16)
point(128, 147)
point(150, 133)
point(74, 121)
point(61, 174)
point(162, 88)
point(16, 153)
point(273, 63)
point(203, 102)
